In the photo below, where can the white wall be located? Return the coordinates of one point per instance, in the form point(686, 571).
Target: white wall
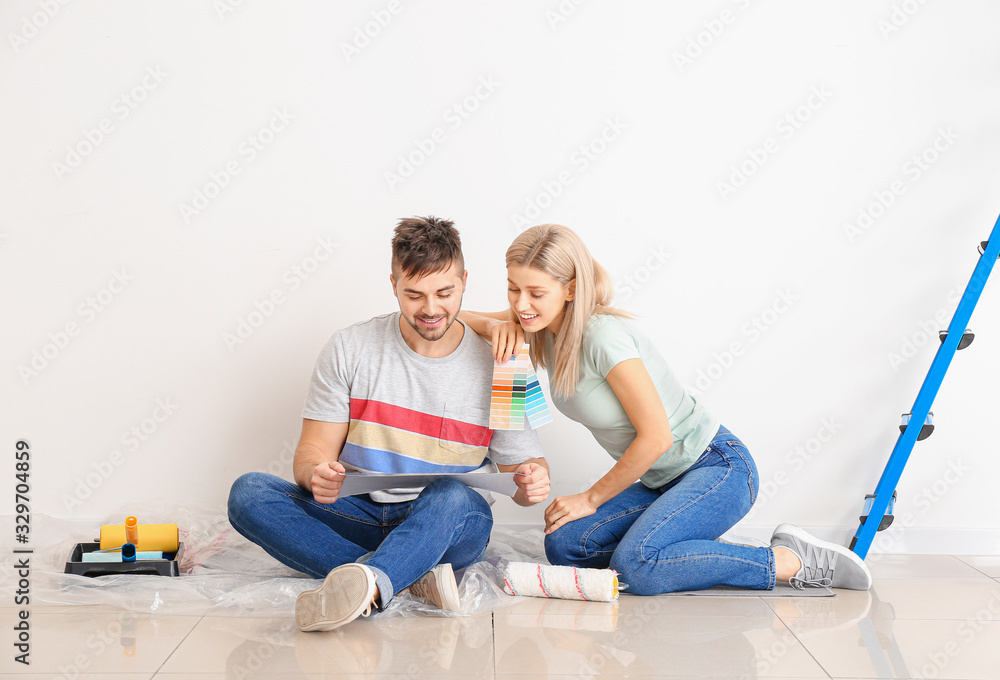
point(183, 89)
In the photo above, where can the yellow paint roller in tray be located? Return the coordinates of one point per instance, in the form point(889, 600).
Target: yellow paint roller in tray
point(143, 536)
point(129, 548)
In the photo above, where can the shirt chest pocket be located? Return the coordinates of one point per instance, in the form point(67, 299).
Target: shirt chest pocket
point(465, 431)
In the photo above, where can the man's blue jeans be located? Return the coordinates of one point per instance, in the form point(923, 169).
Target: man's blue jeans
point(447, 522)
point(663, 540)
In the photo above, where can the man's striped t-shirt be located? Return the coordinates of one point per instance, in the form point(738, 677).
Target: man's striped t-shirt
point(408, 412)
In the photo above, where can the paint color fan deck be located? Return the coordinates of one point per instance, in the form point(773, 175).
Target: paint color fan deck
point(517, 395)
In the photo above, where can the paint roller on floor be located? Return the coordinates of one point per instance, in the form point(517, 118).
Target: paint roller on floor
point(568, 583)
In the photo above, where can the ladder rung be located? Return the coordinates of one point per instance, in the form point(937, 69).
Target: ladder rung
point(925, 431)
point(886, 519)
point(967, 337)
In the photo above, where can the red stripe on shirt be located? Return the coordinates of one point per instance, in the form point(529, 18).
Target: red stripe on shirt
point(371, 411)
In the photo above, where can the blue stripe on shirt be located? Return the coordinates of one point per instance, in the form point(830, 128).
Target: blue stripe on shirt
point(378, 460)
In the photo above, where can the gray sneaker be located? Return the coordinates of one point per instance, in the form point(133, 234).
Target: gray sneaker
point(823, 564)
point(438, 587)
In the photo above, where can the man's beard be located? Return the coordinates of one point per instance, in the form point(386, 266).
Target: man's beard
point(431, 334)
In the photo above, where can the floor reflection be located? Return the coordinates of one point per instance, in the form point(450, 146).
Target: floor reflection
point(635, 645)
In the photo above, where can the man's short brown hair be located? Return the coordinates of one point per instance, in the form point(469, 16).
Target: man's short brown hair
point(425, 245)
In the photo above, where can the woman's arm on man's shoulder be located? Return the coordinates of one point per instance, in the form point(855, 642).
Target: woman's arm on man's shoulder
point(498, 328)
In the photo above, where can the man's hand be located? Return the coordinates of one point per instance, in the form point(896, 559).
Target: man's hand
point(507, 338)
point(327, 478)
point(532, 480)
point(566, 509)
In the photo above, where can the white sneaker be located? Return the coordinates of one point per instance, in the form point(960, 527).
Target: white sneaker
point(347, 592)
point(438, 587)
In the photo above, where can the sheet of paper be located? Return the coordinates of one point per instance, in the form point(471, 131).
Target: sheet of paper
point(359, 482)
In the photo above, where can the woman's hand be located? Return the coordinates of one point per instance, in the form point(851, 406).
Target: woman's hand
point(566, 509)
point(507, 338)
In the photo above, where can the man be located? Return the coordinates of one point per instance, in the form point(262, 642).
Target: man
point(403, 392)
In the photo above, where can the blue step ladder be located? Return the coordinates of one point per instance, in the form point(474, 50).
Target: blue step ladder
point(918, 424)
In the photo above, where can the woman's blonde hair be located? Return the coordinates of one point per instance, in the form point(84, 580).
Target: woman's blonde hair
point(560, 253)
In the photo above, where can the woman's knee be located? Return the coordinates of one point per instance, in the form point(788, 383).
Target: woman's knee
point(564, 547)
point(556, 550)
point(637, 574)
point(634, 559)
point(635, 582)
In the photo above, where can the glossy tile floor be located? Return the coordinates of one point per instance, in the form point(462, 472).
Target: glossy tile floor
point(927, 616)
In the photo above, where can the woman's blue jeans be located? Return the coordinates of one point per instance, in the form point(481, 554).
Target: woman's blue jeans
point(663, 540)
point(447, 522)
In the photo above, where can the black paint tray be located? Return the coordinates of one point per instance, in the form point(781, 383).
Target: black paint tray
point(169, 566)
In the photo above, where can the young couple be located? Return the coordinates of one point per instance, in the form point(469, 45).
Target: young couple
point(408, 392)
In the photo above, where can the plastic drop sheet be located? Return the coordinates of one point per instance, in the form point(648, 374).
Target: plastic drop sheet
point(224, 574)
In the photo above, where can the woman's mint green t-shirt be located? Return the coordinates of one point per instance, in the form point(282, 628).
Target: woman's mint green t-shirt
point(608, 341)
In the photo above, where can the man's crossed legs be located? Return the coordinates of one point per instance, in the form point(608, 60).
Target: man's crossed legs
point(447, 523)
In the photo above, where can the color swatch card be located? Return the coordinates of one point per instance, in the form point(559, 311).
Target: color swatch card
point(517, 395)
point(535, 406)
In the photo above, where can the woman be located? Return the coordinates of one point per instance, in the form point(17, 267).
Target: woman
point(697, 478)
